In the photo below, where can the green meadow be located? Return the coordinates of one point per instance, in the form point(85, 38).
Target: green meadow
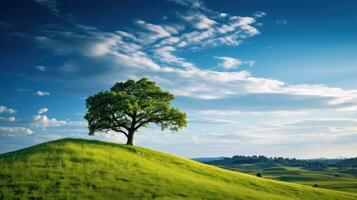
point(330, 178)
point(86, 169)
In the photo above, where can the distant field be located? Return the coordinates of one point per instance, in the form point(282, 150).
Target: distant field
point(81, 169)
point(330, 178)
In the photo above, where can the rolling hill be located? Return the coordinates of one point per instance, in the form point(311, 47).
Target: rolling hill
point(331, 174)
point(86, 169)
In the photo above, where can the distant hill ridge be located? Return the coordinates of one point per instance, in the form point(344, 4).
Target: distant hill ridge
point(86, 169)
point(311, 164)
point(335, 174)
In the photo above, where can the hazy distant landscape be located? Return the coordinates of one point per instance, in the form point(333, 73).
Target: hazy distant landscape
point(335, 174)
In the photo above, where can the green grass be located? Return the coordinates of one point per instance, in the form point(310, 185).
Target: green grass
point(82, 169)
point(329, 179)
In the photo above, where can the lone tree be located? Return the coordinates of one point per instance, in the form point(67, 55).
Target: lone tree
point(131, 105)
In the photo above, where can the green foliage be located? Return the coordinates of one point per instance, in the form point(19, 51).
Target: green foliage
point(265, 162)
point(131, 105)
point(82, 169)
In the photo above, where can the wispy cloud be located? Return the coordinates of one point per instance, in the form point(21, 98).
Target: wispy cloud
point(4, 109)
point(40, 68)
point(43, 121)
point(7, 119)
point(42, 93)
point(280, 113)
point(259, 14)
point(231, 63)
point(199, 20)
point(155, 31)
point(42, 110)
point(15, 130)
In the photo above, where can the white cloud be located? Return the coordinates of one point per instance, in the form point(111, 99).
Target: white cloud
point(236, 22)
point(4, 109)
point(165, 55)
point(42, 120)
point(168, 41)
point(42, 93)
point(40, 68)
point(259, 14)
point(15, 130)
point(349, 108)
point(199, 21)
point(200, 38)
point(280, 113)
point(7, 119)
point(229, 62)
point(136, 60)
point(104, 47)
point(45, 122)
point(223, 14)
point(42, 110)
point(250, 30)
point(157, 31)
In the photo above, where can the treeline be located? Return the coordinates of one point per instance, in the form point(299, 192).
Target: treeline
point(311, 164)
point(346, 163)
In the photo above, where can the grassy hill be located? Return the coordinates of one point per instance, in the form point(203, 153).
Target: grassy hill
point(340, 175)
point(329, 178)
point(82, 169)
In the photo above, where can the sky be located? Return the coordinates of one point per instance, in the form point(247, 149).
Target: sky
point(274, 78)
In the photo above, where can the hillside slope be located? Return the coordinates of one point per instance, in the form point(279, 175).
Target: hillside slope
point(82, 169)
point(339, 175)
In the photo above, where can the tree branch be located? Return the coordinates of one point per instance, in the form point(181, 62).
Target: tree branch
point(118, 123)
point(143, 123)
point(121, 131)
point(145, 115)
point(129, 114)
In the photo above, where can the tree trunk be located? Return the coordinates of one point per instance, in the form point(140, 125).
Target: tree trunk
point(130, 139)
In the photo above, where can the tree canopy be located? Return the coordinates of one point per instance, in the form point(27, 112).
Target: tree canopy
point(131, 105)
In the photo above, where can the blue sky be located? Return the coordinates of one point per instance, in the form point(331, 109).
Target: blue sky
point(255, 77)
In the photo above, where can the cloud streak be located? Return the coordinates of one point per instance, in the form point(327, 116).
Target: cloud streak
point(40, 68)
point(7, 119)
point(42, 93)
point(43, 121)
point(15, 130)
point(231, 63)
point(4, 109)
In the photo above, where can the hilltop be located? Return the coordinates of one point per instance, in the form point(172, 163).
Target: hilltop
point(86, 169)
